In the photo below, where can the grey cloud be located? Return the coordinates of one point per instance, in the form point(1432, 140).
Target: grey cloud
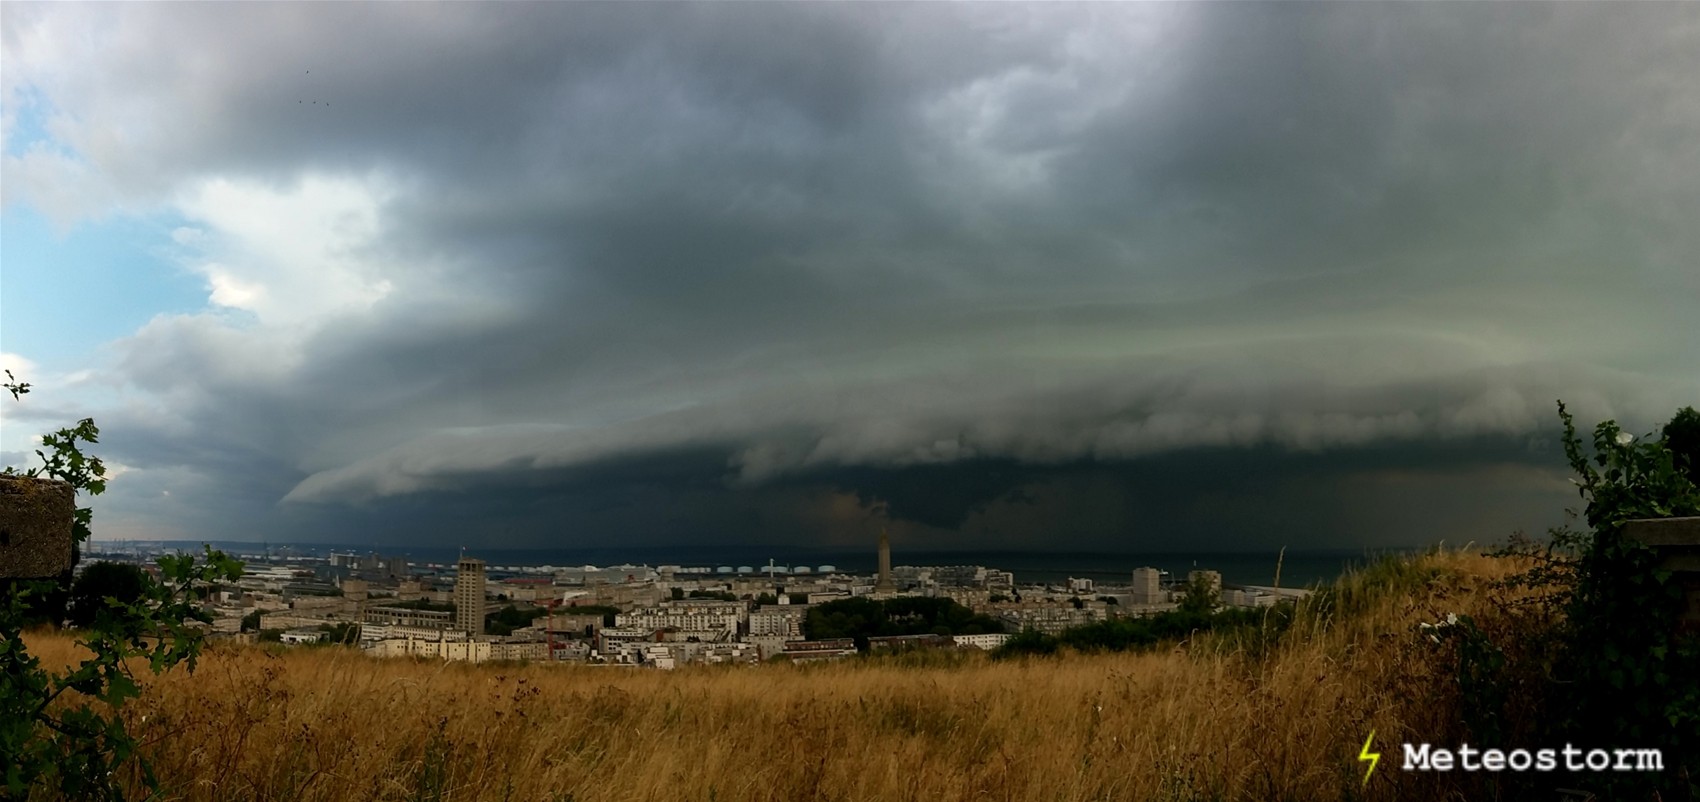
point(790, 241)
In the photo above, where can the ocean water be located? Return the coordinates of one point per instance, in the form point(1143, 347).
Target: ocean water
point(1298, 568)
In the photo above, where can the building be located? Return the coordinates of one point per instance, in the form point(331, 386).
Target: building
point(801, 650)
point(768, 646)
point(684, 619)
point(1247, 597)
point(1148, 586)
point(1080, 585)
point(469, 596)
point(567, 625)
point(987, 642)
point(468, 650)
point(960, 576)
point(519, 649)
point(406, 617)
point(296, 637)
point(884, 583)
point(786, 620)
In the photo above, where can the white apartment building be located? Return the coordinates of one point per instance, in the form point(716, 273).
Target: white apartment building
point(296, 637)
point(785, 620)
point(475, 651)
point(677, 618)
point(987, 641)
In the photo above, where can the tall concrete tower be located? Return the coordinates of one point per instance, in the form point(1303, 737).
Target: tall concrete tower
point(469, 596)
point(884, 583)
point(1147, 586)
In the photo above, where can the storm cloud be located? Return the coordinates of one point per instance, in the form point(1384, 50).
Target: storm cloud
point(1141, 275)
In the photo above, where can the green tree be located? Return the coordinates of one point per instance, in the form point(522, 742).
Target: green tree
point(509, 618)
point(340, 634)
point(1200, 596)
point(102, 584)
point(1682, 436)
point(862, 618)
point(251, 621)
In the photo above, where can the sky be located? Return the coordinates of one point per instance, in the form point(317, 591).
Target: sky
point(1118, 277)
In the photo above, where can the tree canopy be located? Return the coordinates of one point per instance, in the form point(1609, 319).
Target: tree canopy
point(862, 618)
point(121, 581)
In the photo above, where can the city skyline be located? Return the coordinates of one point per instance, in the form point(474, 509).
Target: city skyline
point(1100, 277)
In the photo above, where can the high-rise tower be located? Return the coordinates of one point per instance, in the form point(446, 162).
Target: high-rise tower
point(884, 583)
point(469, 596)
point(1147, 586)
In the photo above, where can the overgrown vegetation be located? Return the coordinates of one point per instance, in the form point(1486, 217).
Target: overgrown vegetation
point(61, 729)
point(1584, 646)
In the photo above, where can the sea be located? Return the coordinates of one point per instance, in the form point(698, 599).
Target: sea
point(1297, 568)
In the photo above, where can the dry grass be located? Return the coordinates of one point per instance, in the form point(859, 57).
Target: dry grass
point(1201, 721)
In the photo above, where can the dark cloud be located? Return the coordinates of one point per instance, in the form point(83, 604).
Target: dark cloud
point(1218, 273)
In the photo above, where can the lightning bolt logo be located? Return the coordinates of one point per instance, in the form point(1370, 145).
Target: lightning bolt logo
point(1366, 755)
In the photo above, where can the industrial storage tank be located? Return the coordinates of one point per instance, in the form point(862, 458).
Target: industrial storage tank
point(827, 569)
point(744, 569)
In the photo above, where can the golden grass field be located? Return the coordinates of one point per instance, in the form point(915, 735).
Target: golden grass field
point(1205, 720)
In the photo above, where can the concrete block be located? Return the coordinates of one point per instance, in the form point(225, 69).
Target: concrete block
point(1677, 542)
point(35, 527)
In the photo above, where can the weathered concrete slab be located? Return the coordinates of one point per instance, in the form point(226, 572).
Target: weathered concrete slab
point(1676, 532)
point(1677, 541)
point(35, 527)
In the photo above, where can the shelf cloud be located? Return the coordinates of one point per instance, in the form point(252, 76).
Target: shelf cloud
point(1147, 275)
